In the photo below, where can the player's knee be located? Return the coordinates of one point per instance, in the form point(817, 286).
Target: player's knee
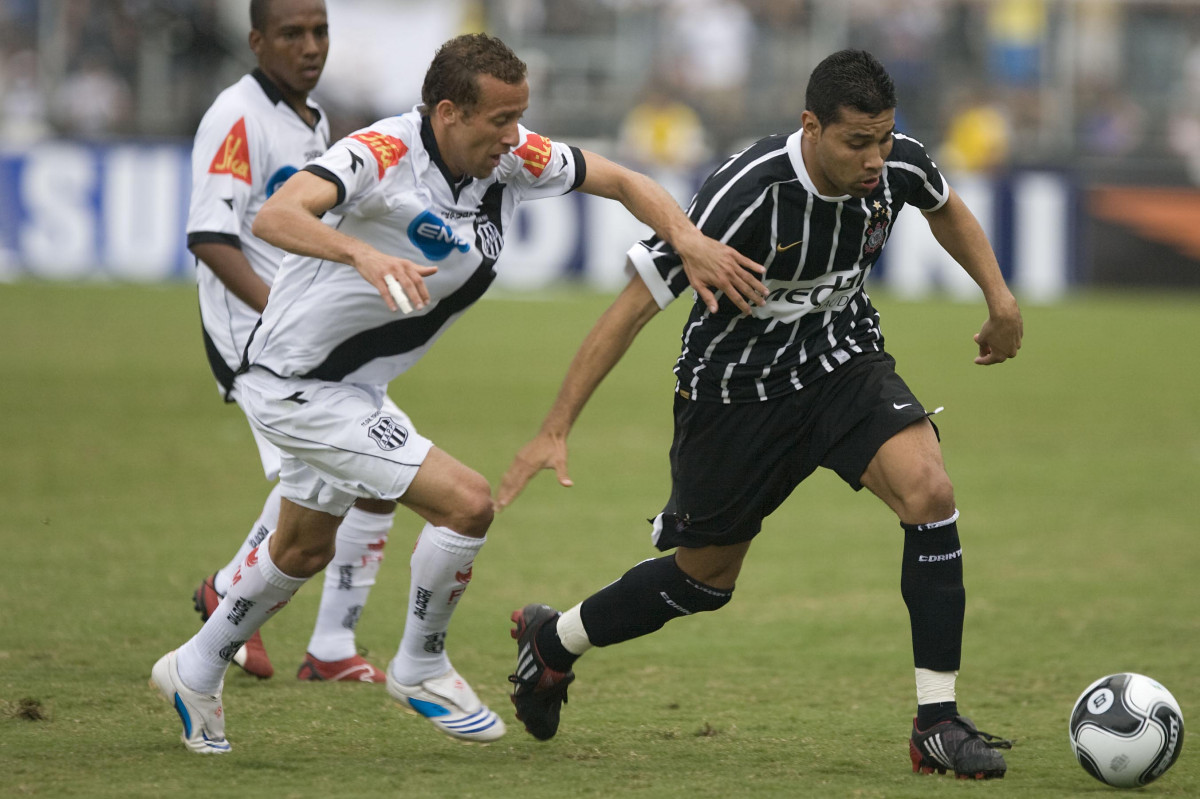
point(930, 499)
point(303, 559)
point(472, 510)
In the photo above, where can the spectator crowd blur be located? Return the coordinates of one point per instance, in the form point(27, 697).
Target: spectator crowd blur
point(1107, 86)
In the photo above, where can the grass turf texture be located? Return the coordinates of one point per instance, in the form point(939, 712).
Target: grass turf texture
point(125, 482)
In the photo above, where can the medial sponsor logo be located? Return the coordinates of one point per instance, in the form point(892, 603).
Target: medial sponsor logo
point(388, 150)
point(387, 434)
point(789, 300)
point(234, 156)
point(535, 152)
point(434, 237)
point(421, 606)
point(279, 178)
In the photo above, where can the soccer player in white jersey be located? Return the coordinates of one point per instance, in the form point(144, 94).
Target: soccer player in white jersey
point(394, 233)
point(763, 399)
point(258, 133)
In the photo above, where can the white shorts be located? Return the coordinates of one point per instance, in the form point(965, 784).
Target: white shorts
point(337, 442)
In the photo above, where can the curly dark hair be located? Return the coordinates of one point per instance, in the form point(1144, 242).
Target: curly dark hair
point(849, 78)
point(453, 75)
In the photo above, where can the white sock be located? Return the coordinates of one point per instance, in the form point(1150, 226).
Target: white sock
point(935, 686)
point(258, 589)
point(441, 569)
point(570, 631)
point(348, 580)
point(267, 521)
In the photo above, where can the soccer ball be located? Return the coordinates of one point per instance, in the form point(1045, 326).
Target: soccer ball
point(1126, 730)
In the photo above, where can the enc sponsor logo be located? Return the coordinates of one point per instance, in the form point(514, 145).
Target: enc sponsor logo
point(421, 606)
point(388, 150)
point(535, 152)
point(939, 558)
point(387, 434)
point(279, 178)
point(434, 237)
point(234, 156)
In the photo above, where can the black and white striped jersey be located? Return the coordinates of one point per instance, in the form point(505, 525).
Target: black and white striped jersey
point(818, 252)
point(395, 192)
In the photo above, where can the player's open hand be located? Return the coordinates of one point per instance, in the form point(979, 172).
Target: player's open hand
point(543, 452)
point(710, 264)
point(1000, 337)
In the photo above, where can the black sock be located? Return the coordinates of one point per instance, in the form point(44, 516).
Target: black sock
point(931, 582)
point(645, 598)
point(550, 647)
point(935, 713)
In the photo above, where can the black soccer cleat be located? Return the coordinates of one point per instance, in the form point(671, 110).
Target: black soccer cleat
point(539, 692)
point(957, 746)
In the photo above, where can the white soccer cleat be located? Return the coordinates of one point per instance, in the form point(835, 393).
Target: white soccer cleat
point(450, 705)
point(202, 716)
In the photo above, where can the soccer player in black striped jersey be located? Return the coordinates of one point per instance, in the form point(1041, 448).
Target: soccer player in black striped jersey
point(764, 398)
point(392, 235)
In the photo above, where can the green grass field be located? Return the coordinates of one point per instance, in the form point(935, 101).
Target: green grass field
point(125, 481)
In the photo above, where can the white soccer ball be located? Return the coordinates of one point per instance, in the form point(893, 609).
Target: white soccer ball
point(1126, 730)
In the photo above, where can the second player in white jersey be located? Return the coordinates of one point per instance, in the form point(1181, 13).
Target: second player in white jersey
point(249, 142)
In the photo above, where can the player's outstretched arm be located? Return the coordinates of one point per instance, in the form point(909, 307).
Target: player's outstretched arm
point(604, 345)
point(959, 233)
point(708, 263)
point(291, 220)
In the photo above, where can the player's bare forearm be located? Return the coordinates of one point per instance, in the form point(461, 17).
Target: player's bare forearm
point(708, 263)
point(291, 220)
point(960, 234)
point(232, 268)
point(602, 348)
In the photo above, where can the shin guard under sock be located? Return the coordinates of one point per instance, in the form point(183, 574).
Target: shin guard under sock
point(931, 582)
point(645, 598)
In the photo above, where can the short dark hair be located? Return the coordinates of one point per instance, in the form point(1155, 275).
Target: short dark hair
point(457, 64)
point(853, 78)
point(259, 10)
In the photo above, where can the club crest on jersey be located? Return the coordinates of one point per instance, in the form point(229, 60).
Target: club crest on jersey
point(487, 235)
point(434, 237)
point(388, 150)
point(279, 178)
point(877, 232)
point(387, 434)
point(535, 152)
point(234, 156)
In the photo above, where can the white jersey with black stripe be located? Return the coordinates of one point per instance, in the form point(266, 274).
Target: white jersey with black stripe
point(324, 321)
point(249, 142)
point(818, 252)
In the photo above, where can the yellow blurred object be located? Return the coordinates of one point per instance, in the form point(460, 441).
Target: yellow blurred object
point(977, 140)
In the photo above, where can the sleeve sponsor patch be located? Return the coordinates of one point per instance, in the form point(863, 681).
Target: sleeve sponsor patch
point(233, 158)
point(388, 150)
point(535, 152)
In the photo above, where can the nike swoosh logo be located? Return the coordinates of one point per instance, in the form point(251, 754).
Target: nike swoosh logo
point(901, 407)
point(786, 247)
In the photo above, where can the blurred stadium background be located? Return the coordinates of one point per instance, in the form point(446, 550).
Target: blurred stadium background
point(1072, 127)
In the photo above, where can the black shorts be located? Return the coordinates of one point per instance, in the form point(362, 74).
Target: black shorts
point(733, 465)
